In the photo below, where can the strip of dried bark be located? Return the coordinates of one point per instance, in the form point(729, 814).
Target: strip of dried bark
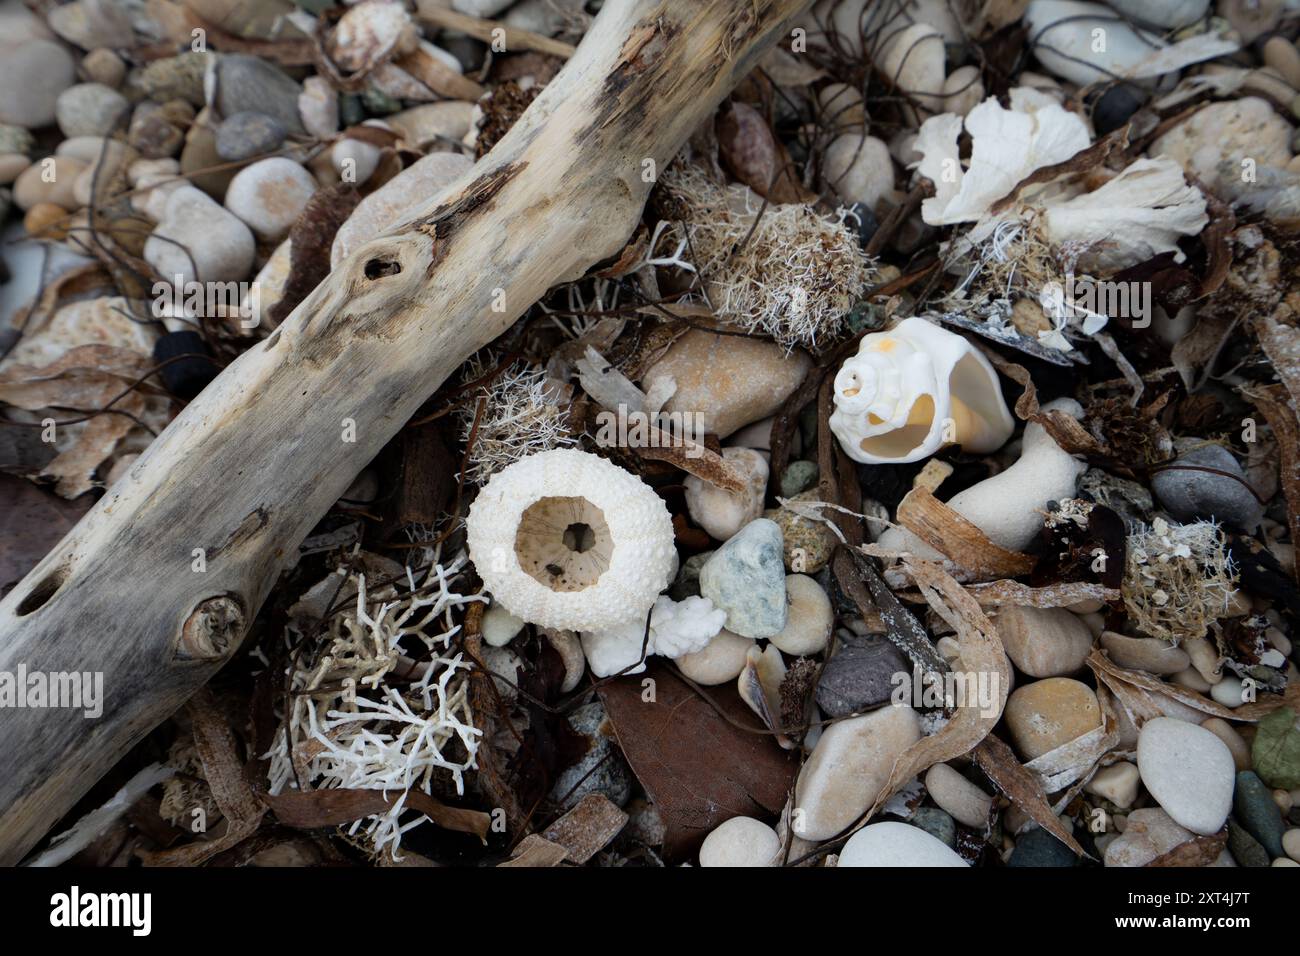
point(587, 829)
point(325, 808)
point(1198, 851)
point(856, 576)
point(1021, 788)
point(959, 538)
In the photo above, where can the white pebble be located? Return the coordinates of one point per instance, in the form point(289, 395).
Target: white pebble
point(1189, 771)
point(896, 844)
point(808, 625)
point(740, 841)
point(964, 802)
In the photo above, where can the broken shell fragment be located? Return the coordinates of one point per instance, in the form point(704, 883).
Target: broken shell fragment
point(760, 687)
point(912, 390)
point(566, 540)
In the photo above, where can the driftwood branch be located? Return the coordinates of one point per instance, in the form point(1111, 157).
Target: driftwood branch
point(251, 465)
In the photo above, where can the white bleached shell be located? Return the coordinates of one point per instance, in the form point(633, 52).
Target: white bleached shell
point(912, 390)
point(676, 629)
point(517, 530)
point(370, 33)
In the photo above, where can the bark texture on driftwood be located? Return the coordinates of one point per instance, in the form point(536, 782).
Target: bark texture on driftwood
point(250, 466)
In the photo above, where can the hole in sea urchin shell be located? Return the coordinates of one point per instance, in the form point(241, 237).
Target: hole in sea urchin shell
point(564, 543)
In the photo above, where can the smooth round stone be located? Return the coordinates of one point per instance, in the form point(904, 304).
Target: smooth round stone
point(245, 84)
point(1188, 770)
point(860, 674)
point(318, 107)
point(397, 200)
point(913, 60)
point(1291, 843)
point(1038, 847)
point(15, 139)
point(269, 195)
point(1245, 849)
point(36, 72)
point(1192, 680)
point(1115, 107)
point(1064, 41)
point(152, 134)
point(746, 578)
point(248, 134)
point(31, 186)
point(1145, 654)
point(1163, 13)
point(90, 109)
point(11, 167)
point(431, 124)
point(1254, 808)
point(1228, 692)
point(354, 160)
point(175, 77)
point(1148, 833)
point(962, 90)
point(809, 619)
point(740, 841)
point(88, 23)
point(937, 823)
point(102, 65)
point(848, 768)
point(1282, 55)
point(896, 844)
point(1048, 713)
point(1205, 494)
point(1044, 642)
point(196, 233)
point(1117, 783)
point(798, 476)
point(721, 660)
point(500, 626)
point(806, 545)
point(859, 169)
point(1228, 131)
point(967, 803)
point(721, 512)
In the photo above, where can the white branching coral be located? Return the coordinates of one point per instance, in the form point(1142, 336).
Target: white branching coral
point(520, 416)
point(785, 270)
point(676, 628)
point(1178, 579)
point(568, 540)
point(380, 701)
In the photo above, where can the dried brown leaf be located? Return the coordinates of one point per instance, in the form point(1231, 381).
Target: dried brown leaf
point(958, 538)
point(1021, 788)
point(1198, 851)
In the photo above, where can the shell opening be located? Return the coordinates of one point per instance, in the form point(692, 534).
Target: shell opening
point(901, 441)
point(564, 543)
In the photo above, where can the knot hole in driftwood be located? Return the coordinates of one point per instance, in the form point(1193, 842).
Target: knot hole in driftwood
point(43, 591)
point(212, 630)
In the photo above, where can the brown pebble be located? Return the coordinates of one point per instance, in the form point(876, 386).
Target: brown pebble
point(46, 221)
point(1229, 735)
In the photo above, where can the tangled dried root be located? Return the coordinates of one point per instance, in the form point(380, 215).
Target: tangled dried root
point(520, 418)
point(1178, 579)
point(795, 277)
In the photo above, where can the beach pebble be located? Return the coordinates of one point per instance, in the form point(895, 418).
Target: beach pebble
point(1229, 692)
point(1254, 809)
point(1038, 847)
point(51, 180)
point(11, 166)
point(809, 619)
point(1291, 843)
point(740, 841)
point(1189, 494)
point(1282, 55)
point(318, 107)
point(196, 229)
point(841, 108)
point(1243, 847)
point(92, 23)
point(913, 60)
point(602, 769)
point(1214, 140)
point(1188, 770)
point(1064, 44)
point(1163, 13)
point(1117, 783)
point(862, 673)
point(1044, 642)
point(249, 84)
point(1115, 107)
point(46, 70)
point(434, 124)
point(967, 803)
point(90, 109)
point(962, 90)
point(721, 660)
point(102, 65)
point(1048, 713)
point(727, 381)
point(354, 160)
point(1251, 18)
point(152, 133)
point(896, 844)
point(199, 160)
point(1145, 654)
point(269, 195)
point(806, 544)
point(847, 769)
point(480, 8)
point(1148, 833)
point(500, 626)
point(15, 139)
point(393, 203)
point(746, 578)
point(248, 134)
point(859, 169)
point(798, 476)
point(937, 823)
point(720, 512)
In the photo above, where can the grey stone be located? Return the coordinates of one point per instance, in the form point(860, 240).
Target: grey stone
point(746, 578)
point(1254, 809)
point(1245, 849)
point(250, 84)
point(937, 823)
point(248, 134)
point(1037, 847)
point(90, 109)
point(798, 476)
point(601, 770)
point(175, 78)
point(687, 582)
point(859, 675)
point(1189, 494)
point(15, 139)
point(36, 73)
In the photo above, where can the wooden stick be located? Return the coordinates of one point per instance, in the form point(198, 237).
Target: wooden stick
point(490, 30)
point(157, 584)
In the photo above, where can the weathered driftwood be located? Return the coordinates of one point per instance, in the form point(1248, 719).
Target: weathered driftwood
point(250, 466)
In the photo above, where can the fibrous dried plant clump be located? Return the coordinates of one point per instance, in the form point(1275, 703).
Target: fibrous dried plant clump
point(1178, 579)
point(521, 416)
point(380, 700)
point(187, 791)
point(789, 272)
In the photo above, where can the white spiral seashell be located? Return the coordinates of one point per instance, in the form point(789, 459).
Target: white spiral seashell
point(912, 390)
point(566, 540)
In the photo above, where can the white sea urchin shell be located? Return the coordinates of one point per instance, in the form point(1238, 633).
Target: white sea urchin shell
point(567, 540)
